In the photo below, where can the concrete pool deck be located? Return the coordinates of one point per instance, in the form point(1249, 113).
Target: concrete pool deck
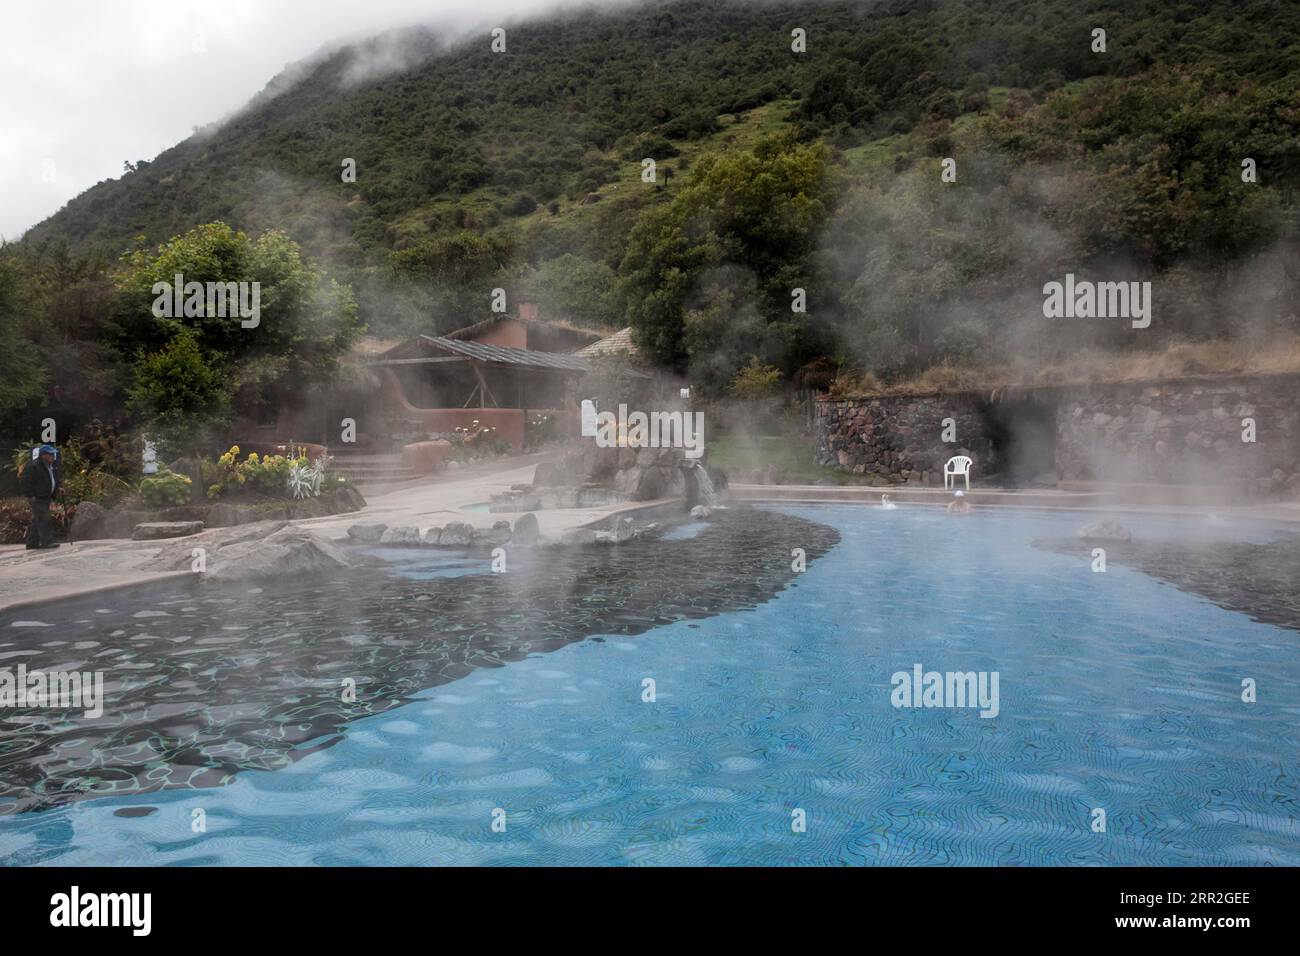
point(35, 577)
point(1042, 498)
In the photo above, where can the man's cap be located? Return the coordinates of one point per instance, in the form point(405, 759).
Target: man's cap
point(49, 448)
point(961, 494)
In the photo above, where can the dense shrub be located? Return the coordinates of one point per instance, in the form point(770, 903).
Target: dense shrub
point(16, 516)
point(259, 475)
point(165, 489)
point(477, 442)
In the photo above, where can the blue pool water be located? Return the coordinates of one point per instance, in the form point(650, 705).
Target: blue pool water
point(1117, 692)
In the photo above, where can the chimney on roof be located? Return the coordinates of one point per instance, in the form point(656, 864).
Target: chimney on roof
point(528, 311)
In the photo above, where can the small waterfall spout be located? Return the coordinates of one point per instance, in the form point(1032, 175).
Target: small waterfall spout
point(708, 493)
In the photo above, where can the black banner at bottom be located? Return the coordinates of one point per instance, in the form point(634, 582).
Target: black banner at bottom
point(193, 906)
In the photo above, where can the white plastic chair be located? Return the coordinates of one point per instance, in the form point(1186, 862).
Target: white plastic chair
point(958, 466)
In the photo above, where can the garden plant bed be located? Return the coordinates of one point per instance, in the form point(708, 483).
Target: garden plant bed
point(93, 522)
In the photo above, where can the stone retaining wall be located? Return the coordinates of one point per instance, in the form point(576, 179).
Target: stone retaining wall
point(1184, 432)
point(1187, 432)
point(898, 438)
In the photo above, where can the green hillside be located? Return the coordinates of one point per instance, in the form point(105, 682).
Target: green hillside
point(776, 170)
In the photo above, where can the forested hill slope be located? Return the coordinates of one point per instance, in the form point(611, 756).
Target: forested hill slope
point(555, 116)
point(524, 167)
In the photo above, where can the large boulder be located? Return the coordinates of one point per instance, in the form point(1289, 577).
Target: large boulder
point(253, 552)
point(288, 552)
point(498, 534)
point(367, 533)
point(119, 523)
point(456, 533)
point(641, 474)
point(628, 480)
point(403, 535)
point(349, 499)
point(225, 515)
point(311, 507)
point(526, 530)
point(1107, 530)
point(88, 522)
point(155, 530)
point(659, 481)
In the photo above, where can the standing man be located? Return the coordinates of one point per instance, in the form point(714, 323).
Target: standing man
point(40, 484)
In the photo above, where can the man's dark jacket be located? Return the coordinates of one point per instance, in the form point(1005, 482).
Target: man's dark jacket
point(36, 479)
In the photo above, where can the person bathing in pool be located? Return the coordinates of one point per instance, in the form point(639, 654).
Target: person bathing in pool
point(959, 505)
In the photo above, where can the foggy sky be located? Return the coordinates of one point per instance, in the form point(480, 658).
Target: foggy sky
point(89, 84)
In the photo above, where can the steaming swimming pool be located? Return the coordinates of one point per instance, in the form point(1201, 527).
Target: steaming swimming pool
point(1117, 692)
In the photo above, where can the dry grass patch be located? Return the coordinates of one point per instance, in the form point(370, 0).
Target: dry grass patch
point(1280, 356)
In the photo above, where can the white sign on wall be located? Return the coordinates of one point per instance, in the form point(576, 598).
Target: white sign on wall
point(150, 458)
point(588, 418)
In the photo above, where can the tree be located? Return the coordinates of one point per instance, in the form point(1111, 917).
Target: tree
point(179, 394)
point(307, 320)
point(756, 380)
point(708, 277)
point(21, 371)
point(578, 289)
point(455, 274)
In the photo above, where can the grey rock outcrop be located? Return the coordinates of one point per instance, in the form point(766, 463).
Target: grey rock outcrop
point(1107, 530)
point(155, 530)
point(288, 552)
point(640, 474)
point(369, 533)
point(88, 522)
point(225, 515)
point(456, 533)
point(526, 530)
point(498, 534)
point(261, 551)
point(400, 535)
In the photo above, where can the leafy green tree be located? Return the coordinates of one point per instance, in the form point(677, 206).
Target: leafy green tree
point(22, 373)
point(453, 275)
point(735, 240)
point(756, 380)
point(307, 319)
point(576, 288)
point(181, 394)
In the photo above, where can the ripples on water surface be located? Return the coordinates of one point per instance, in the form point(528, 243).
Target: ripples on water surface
point(1117, 691)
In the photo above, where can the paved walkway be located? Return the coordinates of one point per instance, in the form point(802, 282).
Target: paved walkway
point(32, 577)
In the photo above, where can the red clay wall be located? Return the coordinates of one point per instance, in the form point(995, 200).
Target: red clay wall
point(509, 422)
